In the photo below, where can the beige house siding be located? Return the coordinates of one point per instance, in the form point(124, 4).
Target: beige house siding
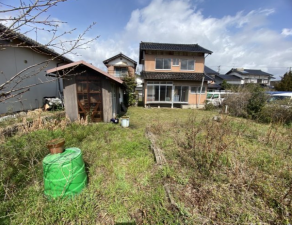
point(131, 71)
point(111, 70)
point(150, 63)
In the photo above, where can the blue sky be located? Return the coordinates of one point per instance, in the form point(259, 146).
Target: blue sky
point(254, 34)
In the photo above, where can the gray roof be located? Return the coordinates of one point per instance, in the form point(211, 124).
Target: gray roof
point(120, 55)
point(174, 76)
point(228, 77)
point(250, 72)
point(171, 47)
point(7, 35)
point(214, 86)
point(209, 71)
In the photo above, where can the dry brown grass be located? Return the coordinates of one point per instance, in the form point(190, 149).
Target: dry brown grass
point(233, 171)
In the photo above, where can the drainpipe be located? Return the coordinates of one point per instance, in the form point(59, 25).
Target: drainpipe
point(202, 82)
point(172, 95)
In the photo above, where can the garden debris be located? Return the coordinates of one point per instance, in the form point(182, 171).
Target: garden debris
point(52, 103)
point(49, 121)
point(159, 157)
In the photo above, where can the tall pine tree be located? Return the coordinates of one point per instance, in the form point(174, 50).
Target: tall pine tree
point(286, 82)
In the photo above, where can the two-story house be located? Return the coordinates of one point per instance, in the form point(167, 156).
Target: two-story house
point(120, 66)
point(173, 74)
point(251, 76)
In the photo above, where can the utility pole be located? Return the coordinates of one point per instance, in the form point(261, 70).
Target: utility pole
point(219, 69)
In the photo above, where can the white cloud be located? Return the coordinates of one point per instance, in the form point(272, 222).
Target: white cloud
point(286, 32)
point(238, 40)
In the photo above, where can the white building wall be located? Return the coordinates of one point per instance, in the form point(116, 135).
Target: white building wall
point(14, 60)
point(235, 82)
point(120, 62)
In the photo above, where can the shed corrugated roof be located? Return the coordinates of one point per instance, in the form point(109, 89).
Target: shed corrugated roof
point(75, 64)
point(174, 76)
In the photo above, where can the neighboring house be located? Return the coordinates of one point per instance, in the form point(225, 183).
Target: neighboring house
point(88, 91)
point(210, 72)
point(18, 52)
point(120, 66)
point(230, 79)
point(139, 87)
point(219, 78)
point(173, 74)
point(251, 76)
point(212, 86)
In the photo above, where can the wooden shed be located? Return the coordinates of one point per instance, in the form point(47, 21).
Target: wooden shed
point(88, 91)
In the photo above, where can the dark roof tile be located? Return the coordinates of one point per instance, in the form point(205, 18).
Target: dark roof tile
point(229, 77)
point(250, 72)
point(209, 71)
point(173, 47)
point(120, 55)
point(174, 76)
point(10, 34)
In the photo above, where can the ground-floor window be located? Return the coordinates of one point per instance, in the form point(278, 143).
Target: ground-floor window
point(159, 91)
point(164, 91)
point(181, 94)
point(197, 90)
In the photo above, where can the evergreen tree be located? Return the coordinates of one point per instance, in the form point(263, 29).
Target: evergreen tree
point(225, 85)
point(286, 82)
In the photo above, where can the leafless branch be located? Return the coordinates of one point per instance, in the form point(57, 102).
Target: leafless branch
point(27, 15)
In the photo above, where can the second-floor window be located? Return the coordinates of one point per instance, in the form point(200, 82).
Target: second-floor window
point(163, 64)
point(187, 64)
point(121, 71)
point(175, 62)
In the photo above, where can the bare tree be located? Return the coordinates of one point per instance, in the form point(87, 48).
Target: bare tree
point(27, 18)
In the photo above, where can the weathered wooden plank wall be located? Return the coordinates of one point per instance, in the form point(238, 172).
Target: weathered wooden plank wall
point(70, 98)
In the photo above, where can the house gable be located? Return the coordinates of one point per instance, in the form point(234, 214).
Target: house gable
point(120, 65)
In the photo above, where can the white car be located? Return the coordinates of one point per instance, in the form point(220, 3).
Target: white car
point(216, 98)
point(285, 99)
point(280, 96)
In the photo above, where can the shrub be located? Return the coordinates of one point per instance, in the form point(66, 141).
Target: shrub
point(130, 97)
point(276, 113)
point(257, 101)
point(247, 102)
point(237, 103)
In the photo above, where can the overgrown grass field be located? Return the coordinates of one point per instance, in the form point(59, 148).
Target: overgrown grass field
point(230, 172)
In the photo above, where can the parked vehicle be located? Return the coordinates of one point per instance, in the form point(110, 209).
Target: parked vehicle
point(216, 98)
point(280, 96)
point(285, 99)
